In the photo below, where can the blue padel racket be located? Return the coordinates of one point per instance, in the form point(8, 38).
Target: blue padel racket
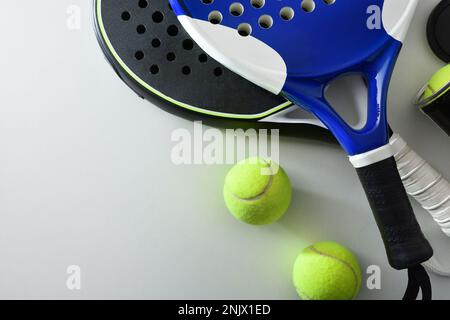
point(297, 48)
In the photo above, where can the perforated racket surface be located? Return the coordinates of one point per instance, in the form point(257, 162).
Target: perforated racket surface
point(150, 51)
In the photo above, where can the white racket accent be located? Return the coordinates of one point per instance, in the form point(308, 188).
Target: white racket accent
point(247, 56)
point(366, 159)
point(392, 10)
point(422, 182)
point(294, 115)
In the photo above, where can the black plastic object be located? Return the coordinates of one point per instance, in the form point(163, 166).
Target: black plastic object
point(438, 30)
point(439, 111)
point(403, 239)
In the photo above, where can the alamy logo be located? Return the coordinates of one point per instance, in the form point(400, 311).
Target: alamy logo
point(374, 277)
point(73, 281)
point(374, 21)
point(73, 21)
point(213, 146)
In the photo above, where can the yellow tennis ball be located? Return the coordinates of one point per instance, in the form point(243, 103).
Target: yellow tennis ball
point(327, 271)
point(439, 80)
point(257, 191)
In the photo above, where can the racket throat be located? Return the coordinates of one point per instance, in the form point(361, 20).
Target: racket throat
point(310, 93)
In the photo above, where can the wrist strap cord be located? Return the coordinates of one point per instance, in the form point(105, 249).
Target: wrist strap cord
point(418, 280)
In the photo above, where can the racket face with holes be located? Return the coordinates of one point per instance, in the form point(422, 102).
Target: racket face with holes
point(298, 47)
point(152, 53)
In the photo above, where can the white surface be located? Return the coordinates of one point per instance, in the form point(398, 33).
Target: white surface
point(86, 179)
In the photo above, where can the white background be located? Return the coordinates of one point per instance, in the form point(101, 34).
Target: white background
point(86, 178)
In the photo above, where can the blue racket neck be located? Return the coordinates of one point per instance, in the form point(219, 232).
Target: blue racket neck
point(377, 71)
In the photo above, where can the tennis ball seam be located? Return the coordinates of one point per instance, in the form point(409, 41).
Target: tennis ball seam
point(262, 193)
point(431, 88)
point(344, 263)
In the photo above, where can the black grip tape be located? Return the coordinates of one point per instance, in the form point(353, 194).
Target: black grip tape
point(405, 244)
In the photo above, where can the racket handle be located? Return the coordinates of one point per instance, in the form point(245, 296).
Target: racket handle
point(422, 182)
point(403, 239)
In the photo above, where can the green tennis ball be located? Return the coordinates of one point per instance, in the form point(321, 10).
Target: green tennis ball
point(327, 271)
point(257, 191)
point(439, 80)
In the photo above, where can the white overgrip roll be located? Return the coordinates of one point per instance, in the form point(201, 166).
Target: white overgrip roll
point(428, 187)
point(423, 183)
